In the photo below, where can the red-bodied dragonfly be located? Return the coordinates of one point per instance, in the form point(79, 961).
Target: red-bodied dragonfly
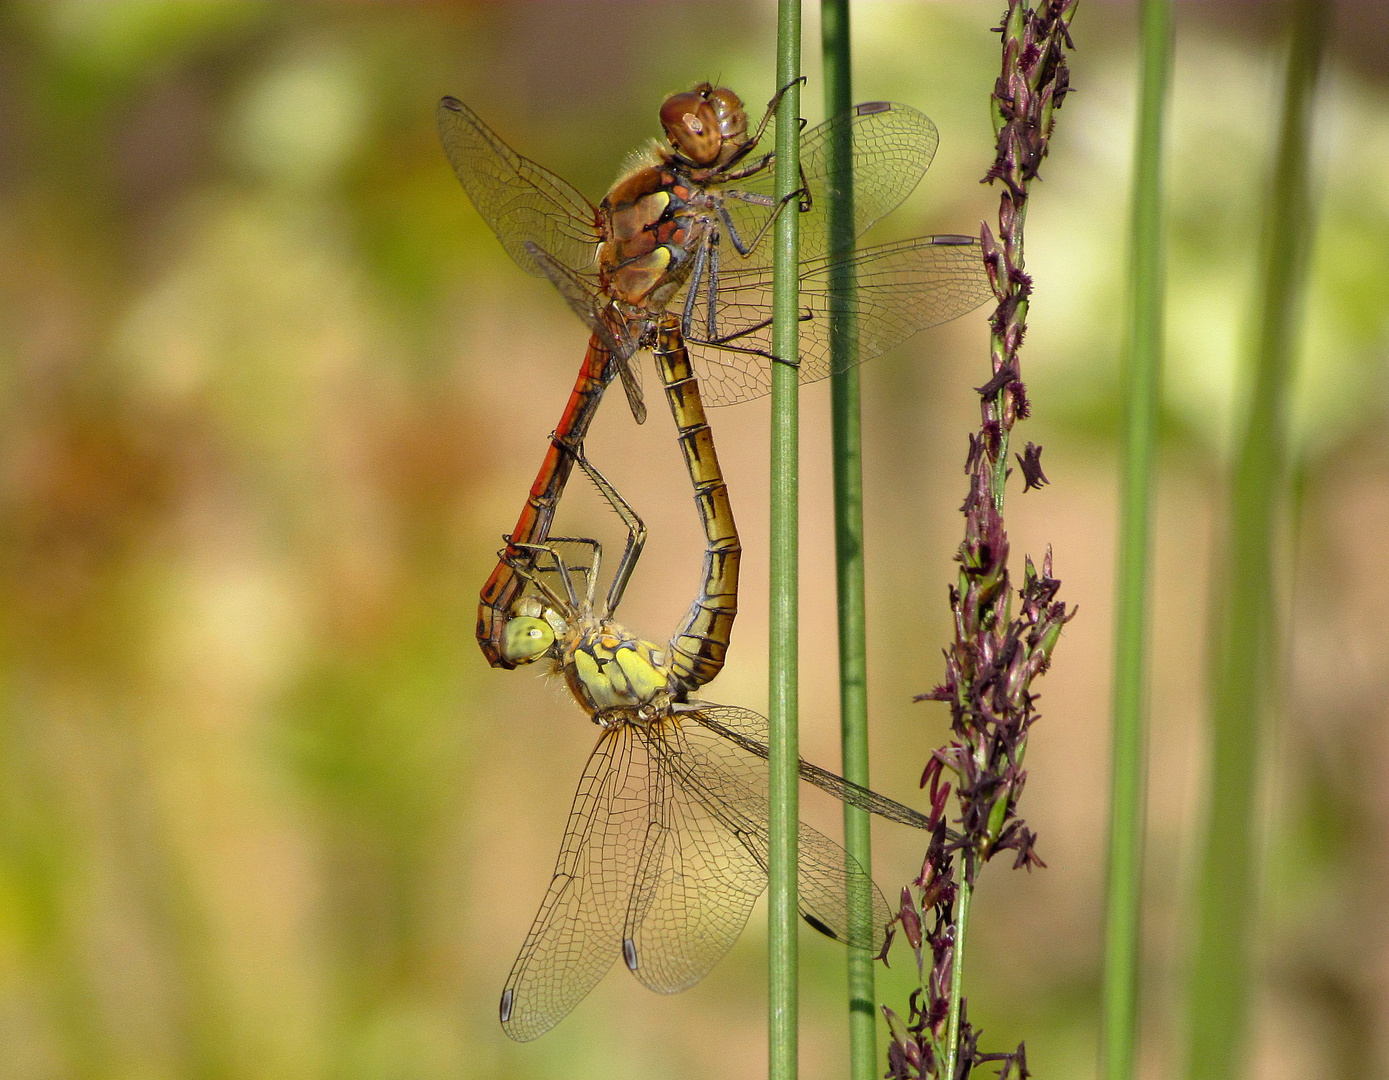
point(657, 243)
point(665, 851)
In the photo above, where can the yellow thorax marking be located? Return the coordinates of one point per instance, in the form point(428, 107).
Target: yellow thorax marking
point(610, 669)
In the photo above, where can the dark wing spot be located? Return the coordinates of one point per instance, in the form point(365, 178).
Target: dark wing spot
point(818, 925)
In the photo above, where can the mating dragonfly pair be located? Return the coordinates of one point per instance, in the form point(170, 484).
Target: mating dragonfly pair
point(665, 851)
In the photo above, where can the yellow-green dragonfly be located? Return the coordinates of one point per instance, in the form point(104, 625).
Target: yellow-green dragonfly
point(665, 851)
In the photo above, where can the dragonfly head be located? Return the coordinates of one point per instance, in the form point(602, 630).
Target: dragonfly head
point(526, 639)
point(530, 632)
point(707, 124)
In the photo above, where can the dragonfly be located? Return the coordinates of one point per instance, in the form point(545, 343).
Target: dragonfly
point(665, 849)
point(659, 241)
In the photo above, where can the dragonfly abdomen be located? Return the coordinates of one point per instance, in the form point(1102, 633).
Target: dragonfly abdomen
point(700, 644)
point(533, 527)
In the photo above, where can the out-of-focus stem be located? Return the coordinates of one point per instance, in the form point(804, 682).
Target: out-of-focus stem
point(1245, 637)
point(1142, 385)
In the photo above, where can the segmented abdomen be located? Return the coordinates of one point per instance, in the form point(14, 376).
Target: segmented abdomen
point(699, 645)
point(533, 526)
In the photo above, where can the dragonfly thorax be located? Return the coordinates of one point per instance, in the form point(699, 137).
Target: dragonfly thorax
point(610, 670)
point(654, 220)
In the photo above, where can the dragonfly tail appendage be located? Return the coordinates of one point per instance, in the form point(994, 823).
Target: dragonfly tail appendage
point(699, 645)
point(533, 526)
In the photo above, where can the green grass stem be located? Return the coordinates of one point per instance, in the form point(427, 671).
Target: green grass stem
point(1244, 649)
point(847, 447)
point(783, 636)
point(957, 976)
point(1142, 381)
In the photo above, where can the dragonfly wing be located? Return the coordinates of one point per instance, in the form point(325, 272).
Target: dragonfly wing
point(577, 934)
point(582, 295)
point(728, 785)
point(700, 876)
point(880, 296)
point(889, 149)
point(899, 289)
point(748, 730)
point(827, 875)
point(519, 200)
point(631, 386)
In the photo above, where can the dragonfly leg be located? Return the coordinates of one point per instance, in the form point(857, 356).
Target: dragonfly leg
point(726, 341)
point(531, 570)
point(772, 107)
point(692, 291)
point(756, 167)
point(636, 534)
point(806, 201)
point(751, 144)
point(591, 569)
point(728, 174)
point(711, 313)
point(745, 246)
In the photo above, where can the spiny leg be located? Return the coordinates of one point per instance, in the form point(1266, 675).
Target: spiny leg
point(531, 570)
point(772, 107)
point(696, 281)
point(744, 247)
point(636, 532)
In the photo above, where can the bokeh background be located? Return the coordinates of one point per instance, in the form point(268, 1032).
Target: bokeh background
point(271, 393)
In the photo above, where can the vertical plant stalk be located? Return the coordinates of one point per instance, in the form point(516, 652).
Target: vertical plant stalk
point(1142, 387)
point(999, 647)
point(1245, 632)
point(846, 427)
point(783, 637)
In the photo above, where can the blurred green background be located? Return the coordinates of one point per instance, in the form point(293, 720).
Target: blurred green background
point(271, 393)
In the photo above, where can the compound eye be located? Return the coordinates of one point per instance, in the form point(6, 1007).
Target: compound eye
point(526, 639)
point(692, 125)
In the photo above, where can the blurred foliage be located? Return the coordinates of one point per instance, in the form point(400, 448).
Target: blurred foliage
point(1221, 138)
point(272, 392)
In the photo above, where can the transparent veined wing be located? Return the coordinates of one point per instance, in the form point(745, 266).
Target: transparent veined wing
point(581, 293)
point(522, 202)
point(899, 289)
point(889, 149)
point(722, 784)
point(664, 856)
point(703, 865)
point(577, 934)
point(748, 730)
